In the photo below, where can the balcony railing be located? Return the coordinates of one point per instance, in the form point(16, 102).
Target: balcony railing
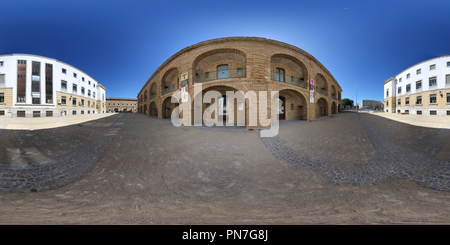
point(321, 91)
point(170, 89)
point(288, 79)
point(333, 97)
point(209, 76)
point(152, 96)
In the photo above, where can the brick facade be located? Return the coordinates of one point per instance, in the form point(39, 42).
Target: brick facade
point(121, 104)
point(247, 64)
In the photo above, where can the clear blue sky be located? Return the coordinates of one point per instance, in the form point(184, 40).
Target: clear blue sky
point(122, 42)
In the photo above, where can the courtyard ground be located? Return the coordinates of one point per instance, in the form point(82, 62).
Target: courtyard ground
point(350, 168)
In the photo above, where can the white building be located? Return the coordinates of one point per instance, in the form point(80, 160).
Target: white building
point(422, 89)
point(36, 86)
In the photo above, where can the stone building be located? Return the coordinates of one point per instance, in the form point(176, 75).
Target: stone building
point(422, 89)
point(121, 104)
point(247, 67)
point(371, 104)
point(36, 86)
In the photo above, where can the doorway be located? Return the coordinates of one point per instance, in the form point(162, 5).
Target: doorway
point(281, 108)
point(222, 110)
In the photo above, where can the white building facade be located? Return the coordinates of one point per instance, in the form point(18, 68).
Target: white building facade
point(36, 86)
point(422, 89)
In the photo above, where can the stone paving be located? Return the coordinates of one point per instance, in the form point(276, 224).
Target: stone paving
point(413, 163)
point(56, 172)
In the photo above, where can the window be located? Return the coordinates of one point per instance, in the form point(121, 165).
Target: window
point(89, 92)
point(206, 75)
point(63, 85)
point(432, 98)
point(419, 112)
point(408, 76)
point(279, 75)
point(240, 71)
point(222, 71)
point(407, 101)
point(408, 88)
point(93, 94)
point(400, 80)
point(387, 92)
point(74, 75)
point(433, 113)
point(447, 79)
point(74, 102)
point(399, 90)
point(63, 100)
point(89, 82)
point(433, 67)
point(82, 102)
point(2, 97)
point(418, 100)
point(2, 79)
point(399, 103)
point(448, 63)
point(448, 97)
point(82, 79)
point(74, 88)
point(419, 71)
point(419, 84)
point(82, 90)
point(432, 81)
point(89, 103)
point(387, 102)
point(1, 63)
point(64, 71)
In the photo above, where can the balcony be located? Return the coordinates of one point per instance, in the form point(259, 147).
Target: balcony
point(152, 96)
point(321, 91)
point(170, 89)
point(288, 79)
point(334, 97)
point(230, 73)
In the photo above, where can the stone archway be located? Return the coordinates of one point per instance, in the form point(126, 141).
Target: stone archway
point(321, 107)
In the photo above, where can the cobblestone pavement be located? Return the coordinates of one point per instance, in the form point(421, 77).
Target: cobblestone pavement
point(415, 163)
point(55, 172)
point(131, 168)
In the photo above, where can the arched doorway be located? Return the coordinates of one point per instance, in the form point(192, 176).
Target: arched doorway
point(321, 107)
point(153, 109)
point(295, 105)
point(281, 108)
point(333, 108)
point(222, 104)
point(168, 107)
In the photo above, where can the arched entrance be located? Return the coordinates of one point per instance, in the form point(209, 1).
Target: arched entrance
point(333, 108)
point(219, 106)
point(321, 107)
point(153, 109)
point(281, 108)
point(295, 105)
point(168, 107)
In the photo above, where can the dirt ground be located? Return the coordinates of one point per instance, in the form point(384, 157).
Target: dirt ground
point(155, 173)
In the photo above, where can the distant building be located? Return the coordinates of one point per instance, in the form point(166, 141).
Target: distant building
point(371, 104)
point(36, 86)
point(121, 104)
point(422, 89)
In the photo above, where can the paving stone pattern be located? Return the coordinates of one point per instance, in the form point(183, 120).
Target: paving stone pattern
point(56, 172)
point(415, 163)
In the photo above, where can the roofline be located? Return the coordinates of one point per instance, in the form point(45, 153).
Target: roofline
point(40, 56)
point(390, 79)
point(440, 57)
point(232, 39)
point(113, 98)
